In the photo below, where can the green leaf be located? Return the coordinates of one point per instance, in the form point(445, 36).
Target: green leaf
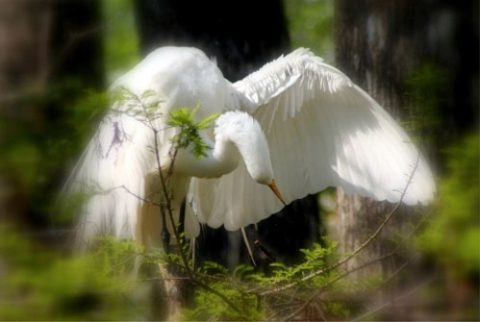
point(189, 136)
point(453, 234)
point(207, 122)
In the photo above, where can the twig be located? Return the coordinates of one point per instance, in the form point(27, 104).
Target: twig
point(189, 271)
point(394, 300)
point(107, 191)
point(395, 273)
point(356, 251)
point(338, 263)
point(165, 279)
point(71, 42)
point(345, 274)
point(139, 197)
point(163, 182)
point(220, 295)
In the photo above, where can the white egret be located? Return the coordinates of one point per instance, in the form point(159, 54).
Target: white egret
point(297, 119)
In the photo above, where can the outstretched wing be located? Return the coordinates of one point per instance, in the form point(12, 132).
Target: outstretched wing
point(323, 131)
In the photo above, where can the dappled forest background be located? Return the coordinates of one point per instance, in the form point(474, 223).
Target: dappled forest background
point(418, 59)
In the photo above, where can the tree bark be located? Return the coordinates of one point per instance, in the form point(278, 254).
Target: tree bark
point(24, 30)
point(46, 47)
point(374, 47)
point(234, 33)
point(382, 45)
point(77, 43)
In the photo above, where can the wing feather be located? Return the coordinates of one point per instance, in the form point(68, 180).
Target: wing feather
point(323, 131)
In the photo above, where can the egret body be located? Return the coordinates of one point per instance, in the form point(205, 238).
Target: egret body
point(297, 119)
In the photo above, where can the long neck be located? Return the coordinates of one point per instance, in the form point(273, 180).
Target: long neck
point(236, 135)
point(221, 158)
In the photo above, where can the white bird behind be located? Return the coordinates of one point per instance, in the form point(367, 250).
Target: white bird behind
point(321, 131)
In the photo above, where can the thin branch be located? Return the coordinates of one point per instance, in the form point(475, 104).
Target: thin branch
point(165, 279)
point(163, 182)
point(220, 295)
point(140, 198)
point(74, 38)
point(107, 191)
point(338, 263)
point(341, 276)
point(395, 300)
point(355, 252)
point(389, 278)
point(190, 273)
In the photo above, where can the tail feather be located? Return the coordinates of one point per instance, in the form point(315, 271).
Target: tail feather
point(110, 178)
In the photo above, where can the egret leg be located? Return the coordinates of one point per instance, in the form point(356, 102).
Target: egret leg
point(193, 245)
point(259, 246)
point(265, 252)
point(165, 232)
point(247, 244)
point(181, 220)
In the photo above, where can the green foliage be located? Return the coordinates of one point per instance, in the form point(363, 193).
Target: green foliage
point(151, 104)
point(209, 307)
point(118, 258)
point(35, 148)
point(145, 107)
point(184, 118)
point(453, 235)
point(314, 259)
point(42, 285)
point(121, 39)
point(310, 24)
point(425, 88)
point(87, 111)
point(258, 294)
point(214, 268)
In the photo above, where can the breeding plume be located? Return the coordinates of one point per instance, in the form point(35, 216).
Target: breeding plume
point(297, 122)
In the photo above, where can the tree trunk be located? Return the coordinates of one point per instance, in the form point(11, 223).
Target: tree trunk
point(51, 53)
point(24, 53)
point(411, 57)
point(374, 47)
point(77, 43)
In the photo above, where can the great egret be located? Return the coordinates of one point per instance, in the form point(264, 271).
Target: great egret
point(319, 130)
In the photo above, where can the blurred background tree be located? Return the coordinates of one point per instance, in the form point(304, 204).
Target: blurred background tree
point(419, 59)
point(412, 58)
point(52, 55)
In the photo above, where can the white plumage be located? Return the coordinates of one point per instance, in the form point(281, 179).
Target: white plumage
point(319, 130)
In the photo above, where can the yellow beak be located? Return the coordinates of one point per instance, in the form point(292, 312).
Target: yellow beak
point(277, 193)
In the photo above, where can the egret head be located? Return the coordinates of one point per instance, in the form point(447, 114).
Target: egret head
point(246, 134)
